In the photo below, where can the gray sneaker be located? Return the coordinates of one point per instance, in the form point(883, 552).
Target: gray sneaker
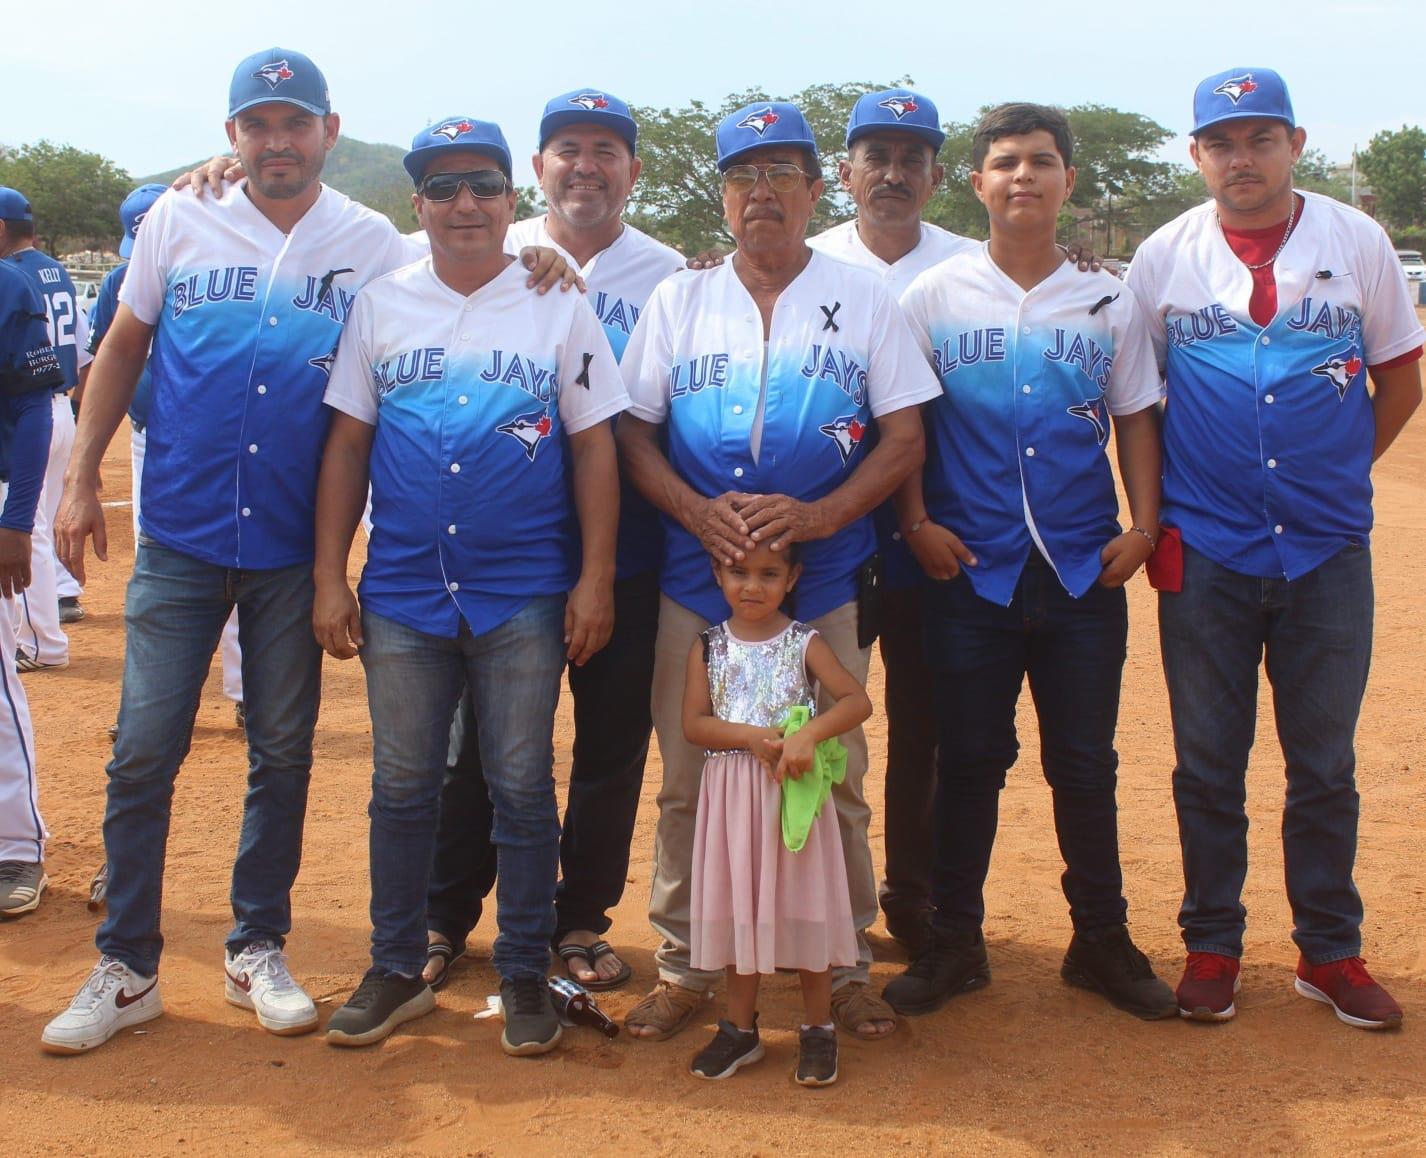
point(381, 1002)
point(531, 1024)
point(70, 610)
point(21, 885)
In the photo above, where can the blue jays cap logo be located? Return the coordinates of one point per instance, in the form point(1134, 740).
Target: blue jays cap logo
point(452, 129)
point(899, 106)
point(1089, 410)
point(1235, 88)
point(529, 430)
point(139, 220)
point(759, 122)
point(1341, 370)
point(847, 432)
point(590, 101)
point(274, 74)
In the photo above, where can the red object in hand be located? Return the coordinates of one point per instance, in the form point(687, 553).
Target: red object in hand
point(1165, 565)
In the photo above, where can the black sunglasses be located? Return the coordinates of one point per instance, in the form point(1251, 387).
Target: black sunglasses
point(482, 183)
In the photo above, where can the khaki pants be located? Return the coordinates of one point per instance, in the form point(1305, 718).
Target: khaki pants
point(678, 796)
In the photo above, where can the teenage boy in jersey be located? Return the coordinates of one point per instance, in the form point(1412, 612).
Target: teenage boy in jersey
point(42, 644)
point(477, 412)
point(242, 298)
point(587, 164)
point(1269, 308)
point(1015, 524)
point(29, 373)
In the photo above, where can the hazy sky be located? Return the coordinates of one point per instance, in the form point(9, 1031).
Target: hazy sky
point(146, 84)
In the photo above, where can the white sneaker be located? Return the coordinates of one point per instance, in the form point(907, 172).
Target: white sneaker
point(114, 996)
point(257, 979)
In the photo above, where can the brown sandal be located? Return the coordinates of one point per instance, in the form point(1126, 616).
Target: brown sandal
point(854, 1004)
point(667, 1009)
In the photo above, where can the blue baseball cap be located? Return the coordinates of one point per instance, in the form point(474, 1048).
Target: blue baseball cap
point(589, 106)
point(1239, 93)
point(896, 110)
point(278, 74)
point(762, 123)
point(14, 206)
point(456, 133)
point(132, 213)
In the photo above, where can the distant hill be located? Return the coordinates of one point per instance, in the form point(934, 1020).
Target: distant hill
point(371, 174)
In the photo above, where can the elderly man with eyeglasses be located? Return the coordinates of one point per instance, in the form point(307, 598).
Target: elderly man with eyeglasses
point(479, 413)
point(767, 376)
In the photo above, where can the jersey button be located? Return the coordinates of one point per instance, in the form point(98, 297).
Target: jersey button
point(272, 321)
point(451, 530)
point(252, 448)
point(1025, 330)
point(1025, 389)
point(737, 409)
point(462, 399)
point(1029, 452)
point(1268, 398)
point(247, 511)
point(1272, 464)
point(465, 337)
point(896, 536)
point(262, 389)
point(1277, 530)
point(453, 586)
point(1267, 341)
point(455, 468)
point(737, 472)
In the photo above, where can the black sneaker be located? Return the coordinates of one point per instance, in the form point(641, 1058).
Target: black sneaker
point(730, 1050)
point(381, 1002)
point(1107, 962)
point(816, 1056)
point(531, 1024)
point(951, 963)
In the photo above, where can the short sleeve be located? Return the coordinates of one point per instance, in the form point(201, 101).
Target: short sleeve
point(648, 359)
point(352, 388)
point(1134, 381)
point(591, 388)
point(146, 284)
point(1389, 324)
point(1140, 287)
point(898, 374)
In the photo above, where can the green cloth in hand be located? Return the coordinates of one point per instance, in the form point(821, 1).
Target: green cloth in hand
point(802, 799)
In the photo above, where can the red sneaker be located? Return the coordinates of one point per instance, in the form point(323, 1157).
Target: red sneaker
point(1206, 992)
point(1349, 989)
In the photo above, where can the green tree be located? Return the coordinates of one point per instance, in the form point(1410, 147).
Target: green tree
point(1316, 174)
point(1395, 164)
point(1116, 175)
point(75, 194)
point(954, 205)
point(678, 197)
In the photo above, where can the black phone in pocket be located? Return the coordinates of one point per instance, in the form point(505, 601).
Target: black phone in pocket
point(869, 579)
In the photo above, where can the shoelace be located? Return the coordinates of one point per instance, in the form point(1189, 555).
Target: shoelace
point(107, 974)
point(271, 965)
point(1354, 972)
point(529, 995)
point(367, 992)
point(1136, 964)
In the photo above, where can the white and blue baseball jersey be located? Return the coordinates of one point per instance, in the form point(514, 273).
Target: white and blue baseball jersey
point(1015, 455)
point(68, 327)
point(1268, 432)
point(30, 372)
point(620, 280)
point(839, 355)
point(246, 325)
point(899, 567)
point(471, 505)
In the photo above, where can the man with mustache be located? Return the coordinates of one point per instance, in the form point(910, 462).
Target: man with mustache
point(1269, 308)
point(764, 377)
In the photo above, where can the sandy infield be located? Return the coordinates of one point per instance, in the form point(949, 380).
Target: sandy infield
point(1026, 1066)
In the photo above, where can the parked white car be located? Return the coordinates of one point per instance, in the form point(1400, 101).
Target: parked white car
point(1413, 264)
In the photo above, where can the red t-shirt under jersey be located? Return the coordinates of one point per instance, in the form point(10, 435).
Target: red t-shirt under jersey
point(1255, 246)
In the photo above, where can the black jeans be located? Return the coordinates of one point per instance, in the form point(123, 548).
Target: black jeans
point(905, 891)
point(979, 654)
point(612, 726)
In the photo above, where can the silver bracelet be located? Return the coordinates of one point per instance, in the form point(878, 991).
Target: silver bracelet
point(1153, 541)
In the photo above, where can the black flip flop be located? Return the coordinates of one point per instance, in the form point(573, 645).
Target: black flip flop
point(590, 954)
point(447, 955)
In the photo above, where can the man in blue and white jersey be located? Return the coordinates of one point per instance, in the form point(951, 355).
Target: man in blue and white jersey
point(766, 376)
point(478, 414)
point(242, 298)
point(42, 644)
point(587, 164)
point(1015, 521)
point(1269, 309)
point(29, 373)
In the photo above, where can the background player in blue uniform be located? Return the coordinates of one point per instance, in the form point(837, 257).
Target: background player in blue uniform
point(29, 374)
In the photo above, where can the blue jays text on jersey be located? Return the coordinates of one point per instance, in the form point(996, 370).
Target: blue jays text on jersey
point(1015, 443)
point(620, 279)
point(245, 319)
point(1269, 430)
point(839, 355)
point(472, 399)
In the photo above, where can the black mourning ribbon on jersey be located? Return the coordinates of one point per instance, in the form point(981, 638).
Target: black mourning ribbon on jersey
point(1101, 303)
point(583, 379)
point(326, 284)
point(830, 323)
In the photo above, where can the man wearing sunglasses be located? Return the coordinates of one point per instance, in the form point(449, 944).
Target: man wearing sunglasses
point(587, 164)
point(242, 298)
point(767, 374)
point(478, 413)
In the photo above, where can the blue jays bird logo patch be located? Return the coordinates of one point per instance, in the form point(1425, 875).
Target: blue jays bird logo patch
point(1091, 411)
point(274, 74)
point(760, 121)
point(1341, 370)
point(1235, 88)
point(590, 101)
point(899, 106)
point(452, 129)
point(847, 432)
point(529, 430)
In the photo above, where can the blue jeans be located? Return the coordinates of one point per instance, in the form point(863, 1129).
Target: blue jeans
point(413, 682)
point(980, 654)
point(1316, 634)
point(173, 615)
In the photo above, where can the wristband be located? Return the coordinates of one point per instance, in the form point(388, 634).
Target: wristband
point(1153, 540)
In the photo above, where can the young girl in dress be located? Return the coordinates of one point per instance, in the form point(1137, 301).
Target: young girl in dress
point(755, 906)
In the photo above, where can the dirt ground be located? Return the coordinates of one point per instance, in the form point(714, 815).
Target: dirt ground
point(1026, 1066)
